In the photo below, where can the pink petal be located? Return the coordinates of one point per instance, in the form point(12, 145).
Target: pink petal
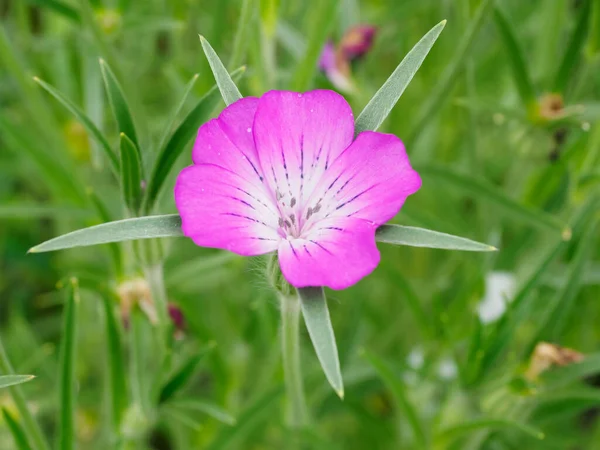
point(327, 58)
point(298, 136)
point(228, 142)
point(370, 180)
point(337, 254)
point(221, 209)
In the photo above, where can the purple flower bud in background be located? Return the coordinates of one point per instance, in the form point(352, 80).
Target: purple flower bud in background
point(357, 41)
point(335, 60)
point(178, 320)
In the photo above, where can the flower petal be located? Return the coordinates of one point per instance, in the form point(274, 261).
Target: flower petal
point(298, 136)
point(227, 141)
point(221, 209)
point(337, 254)
point(370, 180)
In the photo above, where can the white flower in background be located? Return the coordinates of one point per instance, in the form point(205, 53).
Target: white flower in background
point(499, 289)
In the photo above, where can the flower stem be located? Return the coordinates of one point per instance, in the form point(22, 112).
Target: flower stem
point(290, 323)
point(31, 427)
point(156, 280)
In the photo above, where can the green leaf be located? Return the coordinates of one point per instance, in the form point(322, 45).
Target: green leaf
point(487, 192)
point(131, 174)
point(321, 25)
point(445, 82)
point(176, 144)
point(85, 121)
point(394, 384)
point(386, 97)
point(11, 380)
point(420, 237)
point(25, 210)
point(516, 57)
point(257, 413)
point(229, 90)
point(565, 375)
point(118, 231)
point(117, 391)
point(318, 323)
point(210, 409)
point(182, 418)
point(574, 48)
point(29, 424)
point(66, 429)
point(181, 377)
point(16, 430)
point(454, 432)
point(117, 101)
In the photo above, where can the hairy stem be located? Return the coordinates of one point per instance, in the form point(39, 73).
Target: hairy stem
point(290, 325)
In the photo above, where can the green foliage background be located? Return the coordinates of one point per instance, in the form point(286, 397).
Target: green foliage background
point(496, 168)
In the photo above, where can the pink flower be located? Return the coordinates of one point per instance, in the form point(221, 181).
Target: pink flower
point(335, 60)
point(284, 173)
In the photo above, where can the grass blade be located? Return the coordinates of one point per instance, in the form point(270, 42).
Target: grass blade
point(12, 380)
point(66, 430)
point(240, 42)
point(118, 104)
point(117, 391)
point(394, 384)
point(386, 97)
point(210, 409)
point(574, 48)
point(229, 90)
point(118, 231)
point(318, 323)
point(131, 174)
point(517, 59)
point(482, 189)
point(85, 121)
point(323, 12)
point(181, 377)
point(443, 87)
point(562, 376)
point(420, 237)
point(58, 7)
point(448, 434)
point(258, 413)
point(16, 430)
point(186, 92)
point(176, 144)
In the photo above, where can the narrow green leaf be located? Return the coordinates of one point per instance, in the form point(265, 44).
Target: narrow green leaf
point(386, 97)
point(484, 424)
point(118, 231)
point(181, 417)
point(85, 121)
point(487, 192)
point(210, 409)
point(395, 384)
point(574, 48)
point(176, 144)
point(66, 429)
point(16, 430)
point(29, 424)
point(240, 42)
point(323, 12)
point(562, 376)
point(119, 105)
point(181, 377)
point(117, 391)
point(11, 380)
point(445, 82)
point(25, 210)
point(420, 237)
point(229, 90)
point(256, 414)
point(516, 57)
point(318, 323)
point(131, 174)
point(186, 92)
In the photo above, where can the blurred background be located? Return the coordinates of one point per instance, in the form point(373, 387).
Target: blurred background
point(441, 350)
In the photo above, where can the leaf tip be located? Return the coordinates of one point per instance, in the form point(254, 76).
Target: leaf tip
point(443, 22)
point(33, 250)
point(566, 234)
point(340, 393)
point(36, 79)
